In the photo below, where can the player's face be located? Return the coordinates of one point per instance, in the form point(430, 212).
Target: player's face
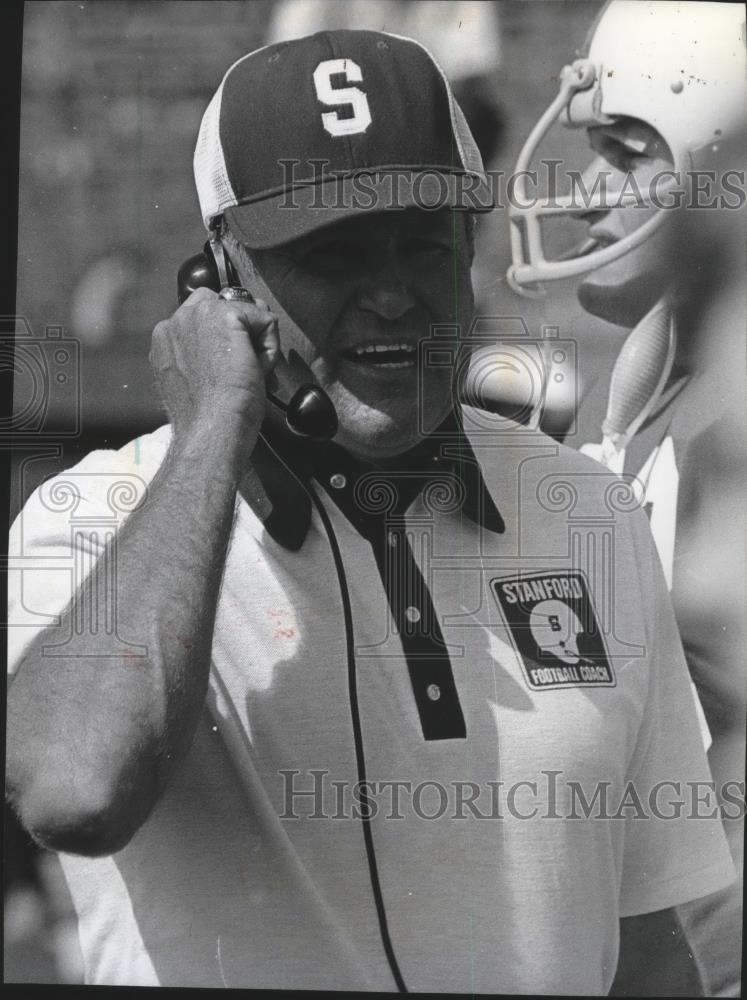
point(632, 154)
point(355, 298)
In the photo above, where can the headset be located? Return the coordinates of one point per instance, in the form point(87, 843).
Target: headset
point(309, 412)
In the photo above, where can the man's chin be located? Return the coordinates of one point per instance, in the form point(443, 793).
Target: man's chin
point(372, 446)
point(390, 427)
point(624, 303)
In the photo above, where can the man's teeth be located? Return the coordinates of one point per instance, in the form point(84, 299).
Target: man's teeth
point(381, 348)
point(386, 355)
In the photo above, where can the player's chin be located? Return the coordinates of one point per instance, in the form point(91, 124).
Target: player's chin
point(624, 301)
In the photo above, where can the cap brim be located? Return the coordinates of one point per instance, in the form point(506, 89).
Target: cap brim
point(280, 218)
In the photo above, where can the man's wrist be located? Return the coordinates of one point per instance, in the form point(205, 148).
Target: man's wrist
point(218, 449)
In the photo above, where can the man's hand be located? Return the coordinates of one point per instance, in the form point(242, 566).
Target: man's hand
point(211, 359)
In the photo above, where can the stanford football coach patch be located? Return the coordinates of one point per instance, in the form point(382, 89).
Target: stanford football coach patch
point(555, 629)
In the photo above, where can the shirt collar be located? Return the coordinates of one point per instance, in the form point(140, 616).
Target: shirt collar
point(282, 462)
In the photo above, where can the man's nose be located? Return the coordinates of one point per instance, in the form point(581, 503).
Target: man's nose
point(599, 180)
point(386, 295)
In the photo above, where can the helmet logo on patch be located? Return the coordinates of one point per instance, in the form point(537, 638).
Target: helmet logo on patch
point(555, 629)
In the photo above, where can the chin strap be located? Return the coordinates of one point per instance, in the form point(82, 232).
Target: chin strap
point(640, 374)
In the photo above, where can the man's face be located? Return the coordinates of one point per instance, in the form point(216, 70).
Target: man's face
point(623, 292)
point(354, 299)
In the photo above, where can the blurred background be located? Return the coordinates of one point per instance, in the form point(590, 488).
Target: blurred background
point(112, 97)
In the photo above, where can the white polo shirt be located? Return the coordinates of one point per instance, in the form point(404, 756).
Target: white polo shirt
point(565, 704)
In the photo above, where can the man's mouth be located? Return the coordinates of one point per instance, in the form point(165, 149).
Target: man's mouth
point(379, 356)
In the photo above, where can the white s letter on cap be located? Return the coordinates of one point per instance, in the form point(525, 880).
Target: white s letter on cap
point(333, 97)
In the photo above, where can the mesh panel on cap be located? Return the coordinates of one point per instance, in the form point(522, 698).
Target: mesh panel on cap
point(211, 178)
point(469, 154)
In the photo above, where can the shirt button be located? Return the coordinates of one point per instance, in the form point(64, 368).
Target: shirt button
point(412, 614)
point(338, 481)
point(433, 691)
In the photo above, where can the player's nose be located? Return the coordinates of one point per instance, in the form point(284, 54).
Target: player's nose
point(595, 186)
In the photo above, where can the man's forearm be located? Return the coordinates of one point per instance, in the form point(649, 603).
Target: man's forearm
point(92, 739)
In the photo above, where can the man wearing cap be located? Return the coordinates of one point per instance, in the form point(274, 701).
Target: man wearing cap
point(308, 720)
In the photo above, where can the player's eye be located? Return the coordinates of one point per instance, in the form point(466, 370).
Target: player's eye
point(615, 151)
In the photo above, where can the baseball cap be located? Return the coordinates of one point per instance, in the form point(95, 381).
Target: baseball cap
point(306, 132)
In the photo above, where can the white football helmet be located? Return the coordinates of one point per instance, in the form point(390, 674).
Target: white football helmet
point(555, 628)
point(680, 67)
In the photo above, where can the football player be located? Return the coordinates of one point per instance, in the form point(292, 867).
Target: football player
point(661, 97)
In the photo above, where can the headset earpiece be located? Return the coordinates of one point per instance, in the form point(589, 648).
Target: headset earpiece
point(201, 271)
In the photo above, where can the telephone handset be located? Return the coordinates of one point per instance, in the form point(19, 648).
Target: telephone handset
point(309, 412)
